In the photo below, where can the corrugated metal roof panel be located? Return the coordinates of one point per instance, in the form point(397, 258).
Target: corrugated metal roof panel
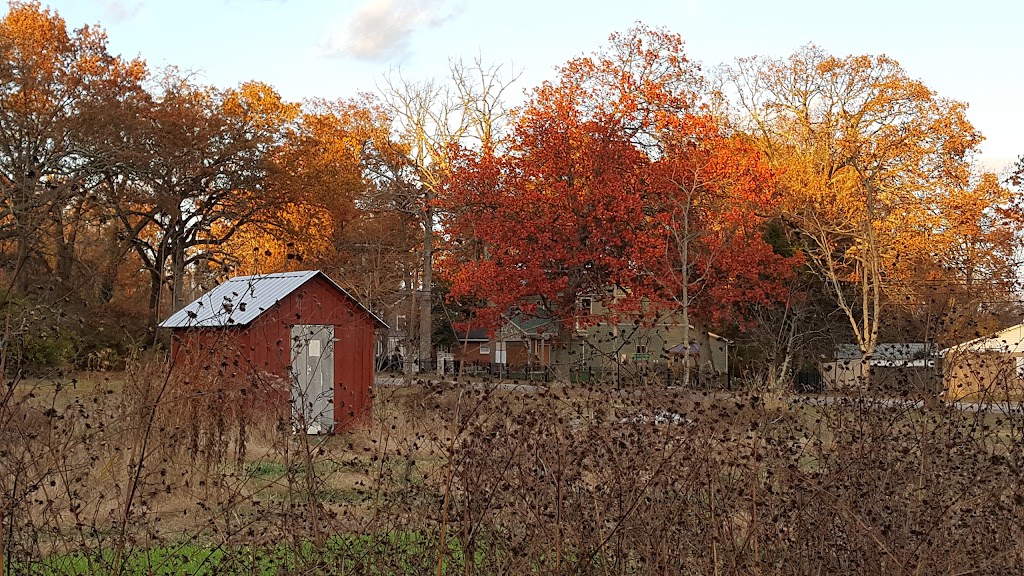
point(238, 301)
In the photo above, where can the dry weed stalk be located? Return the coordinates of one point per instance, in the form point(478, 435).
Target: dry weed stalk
point(491, 477)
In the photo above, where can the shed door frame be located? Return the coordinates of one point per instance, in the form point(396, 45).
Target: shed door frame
point(312, 377)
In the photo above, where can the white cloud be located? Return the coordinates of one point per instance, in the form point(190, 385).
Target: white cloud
point(381, 29)
point(122, 10)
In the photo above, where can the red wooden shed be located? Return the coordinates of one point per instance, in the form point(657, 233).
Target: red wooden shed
point(295, 327)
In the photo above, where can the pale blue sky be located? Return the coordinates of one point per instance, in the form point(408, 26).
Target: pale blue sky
point(971, 51)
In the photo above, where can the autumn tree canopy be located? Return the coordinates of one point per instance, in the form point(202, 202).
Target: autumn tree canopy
point(628, 178)
point(873, 165)
point(330, 217)
point(431, 119)
point(616, 183)
point(60, 93)
point(198, 174)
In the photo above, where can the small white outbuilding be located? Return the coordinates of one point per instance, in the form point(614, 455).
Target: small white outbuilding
point(990, 367)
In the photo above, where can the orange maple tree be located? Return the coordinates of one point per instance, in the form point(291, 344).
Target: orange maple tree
point(714, 193)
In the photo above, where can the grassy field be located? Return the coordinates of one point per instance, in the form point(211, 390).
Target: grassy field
point(133, 474)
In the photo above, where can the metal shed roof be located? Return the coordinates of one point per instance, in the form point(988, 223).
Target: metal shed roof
point(886, 352)
point(239, 300)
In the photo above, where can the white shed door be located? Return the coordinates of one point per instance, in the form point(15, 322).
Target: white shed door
point(313, 378)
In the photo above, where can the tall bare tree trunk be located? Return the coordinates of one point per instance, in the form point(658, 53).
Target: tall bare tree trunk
point(65, 235)
point(178, 279)
point(21, 275)
point(780, 376)
point(155, 288)
point(683, 244)
point(63, 251)
point(413, 311)
point(425, 292)
point(686, 341)
point(871, 290)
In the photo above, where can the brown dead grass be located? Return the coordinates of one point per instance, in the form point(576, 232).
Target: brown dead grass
point(589, 468)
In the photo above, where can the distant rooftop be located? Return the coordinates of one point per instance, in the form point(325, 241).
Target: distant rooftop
point(475, 335)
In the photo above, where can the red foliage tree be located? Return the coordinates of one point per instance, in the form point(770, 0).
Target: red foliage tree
point(615, 176)
point(714, 193)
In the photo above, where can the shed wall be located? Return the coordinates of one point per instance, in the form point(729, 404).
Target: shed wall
point(982, 376)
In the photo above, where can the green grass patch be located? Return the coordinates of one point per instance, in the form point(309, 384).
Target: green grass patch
point(396, 553)
point(169, 560)
point(274, 470)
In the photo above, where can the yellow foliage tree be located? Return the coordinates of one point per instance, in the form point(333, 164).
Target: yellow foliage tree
point(875, 169)
point(328, 222)
point(62, 97)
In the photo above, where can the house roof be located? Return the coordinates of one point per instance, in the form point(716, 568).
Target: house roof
point(475, 335)
point(521, 325)
point(240, 300)
point(532, 325)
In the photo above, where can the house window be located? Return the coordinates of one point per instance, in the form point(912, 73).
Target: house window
point(641, 353)
point(615, 292)
point(585, 309)
point(499, 353)
point(485, 348)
